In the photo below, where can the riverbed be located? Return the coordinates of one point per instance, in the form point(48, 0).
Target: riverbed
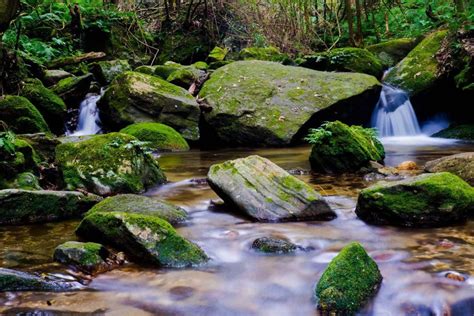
point(239, 281)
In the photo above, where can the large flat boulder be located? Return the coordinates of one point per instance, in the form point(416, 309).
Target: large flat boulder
point(25, 207)
point(266, 192)
point(461, 165)
point(427, 200)
point(146, 239)
point(108, 164)
point(259, 103)
point(136, 97)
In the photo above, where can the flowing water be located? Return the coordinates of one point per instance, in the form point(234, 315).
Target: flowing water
point(88, 120)
point(239, 281)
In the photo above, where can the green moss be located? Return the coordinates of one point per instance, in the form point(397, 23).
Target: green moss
point(464, 132)
point(201, 65)
point(465, 78)
point(159, 136)
point(418, 71)
point(21, 116)
point(348, 282)
point(148, 70)
point(427, 200)
point(262, 53)
point(338, 147)
point(217, 54)
point(106, 71)
point(392, 51)
point(183, 77)
point(164, 71)
point(145, 238)
point(105, 164)
point(85, 256)
point(26, 181)
point(348, 59)
point(183, 47)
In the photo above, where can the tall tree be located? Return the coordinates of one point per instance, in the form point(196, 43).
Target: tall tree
point(350, 21)
point(359, 36)
point(8, 8)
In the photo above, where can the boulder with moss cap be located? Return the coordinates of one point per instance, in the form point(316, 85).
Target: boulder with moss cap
point(87, 257)
point(266, 192)
point(136, 97)
point(106, 71)
point(159, 136)
point(427, 200)
point(73, 89)
point(21, 116)
point(14, 281)
point(461, 165)
point(131, 203)
point(288, 101)
point(144, 238)
point(348, 282)
point(392, 51)
point(108, 164)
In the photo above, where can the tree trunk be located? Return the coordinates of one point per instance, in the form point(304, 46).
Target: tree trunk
point(350, 21)
point(8, 9)
point(359, 36)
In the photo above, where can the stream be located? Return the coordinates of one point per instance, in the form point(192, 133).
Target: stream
point(239, 281)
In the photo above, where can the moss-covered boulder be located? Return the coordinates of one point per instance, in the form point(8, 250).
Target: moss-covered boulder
point(160, 137)
point(50, 105)
point(201, 65)
point(461, 165)
point(417, 72)
point(108, 164)
point(463, 132)
point(44, 145)
point(53, 76)
point(217, 54)
point(273, 245)
point(263, 53)
point(14, 281)
point(147, 70)
point(259, 188)
point(392, 51)
point(135, 97)
point(130, 203)
point(349, 59)
point(25, 181)
point(165, 70)
point(16, 156)
point(146, 239)
point(349, 281)
point(185, 76)
point(106, 71)
point(428, 200)
point(73, 89)
point(288, 101)
point(338, 147)
point(87, 257)
point(21, 116)
point(24, 206)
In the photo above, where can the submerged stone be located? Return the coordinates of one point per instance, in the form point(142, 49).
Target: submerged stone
point(14, 281)
point(160, 137)
point(108, 164)
point(146, 239)
point(21, 116)
point(427, 200)
point(288, 101)
point(273, 245)
point(461, 165)
point(266, 192)
point(136, 97)
point(338, 147)
point(87, 257)
point(24, 206)
point(348, 282)
point(130, 203)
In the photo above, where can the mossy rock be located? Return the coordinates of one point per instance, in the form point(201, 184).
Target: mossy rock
point(461, 165)
point(73, 89)
point(135, 97)
point(165, 70)
point(21, 116)
point(392, 51)
point(87, 257)
point(15, 281)
point(147, 70)
point(159, 136)
point(26, 181)
point(217, 54)
point(146, 239)
point(24, 206)
point(273, 245)
point(49, 104)
point(428, 200)
point(417, 72)
point(44, 145)
point(262, 190)
point(262, 53)
point(218, 64)
point(22, 159)
point(348, 59)
point(130, 203)
point(463, 132)
point(108, 164)
point(201, 65)
point(106, 71)
point(53, 76)
point(285, 104)
point(338, 148)
point(348, 282)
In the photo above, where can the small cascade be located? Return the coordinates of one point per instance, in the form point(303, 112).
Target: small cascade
point(88, 121)
point(394, 115)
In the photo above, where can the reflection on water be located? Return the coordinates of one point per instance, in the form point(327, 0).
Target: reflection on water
point(239, 281)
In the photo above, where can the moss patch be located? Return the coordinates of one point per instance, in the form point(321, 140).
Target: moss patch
point(21, 116)
point(159, 136)
point(391, 52)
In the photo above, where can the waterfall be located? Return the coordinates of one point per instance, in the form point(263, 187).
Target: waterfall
point(394, 115)
point(88, 121)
